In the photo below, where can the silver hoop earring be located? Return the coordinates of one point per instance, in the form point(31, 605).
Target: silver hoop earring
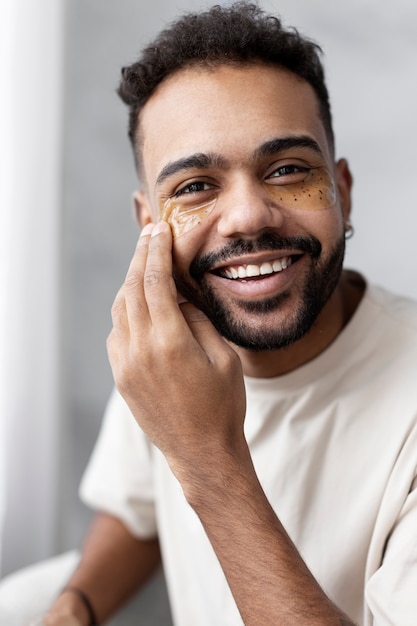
point(349, 231)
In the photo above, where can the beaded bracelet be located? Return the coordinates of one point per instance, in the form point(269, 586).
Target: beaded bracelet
point(84, 598)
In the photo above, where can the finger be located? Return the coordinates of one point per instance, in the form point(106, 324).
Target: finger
point(130, 302)
point(119, 314)
point(159, 286)
point(203, 331)
point(180, 298)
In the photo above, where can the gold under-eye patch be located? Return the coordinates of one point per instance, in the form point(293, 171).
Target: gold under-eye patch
point(314, 192)
point(184, 213)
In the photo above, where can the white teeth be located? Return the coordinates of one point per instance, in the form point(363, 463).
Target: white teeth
point(248, 271)
point(252, 270)
point(266, 268)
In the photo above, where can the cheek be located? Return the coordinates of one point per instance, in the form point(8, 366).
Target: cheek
point(317, 191)
point(196, 240)
point(186, 247)
point(199, 235)
point(184, 214)
point(326, 225)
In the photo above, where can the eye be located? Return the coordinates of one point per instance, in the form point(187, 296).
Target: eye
point(292, 171)
point(194, 187)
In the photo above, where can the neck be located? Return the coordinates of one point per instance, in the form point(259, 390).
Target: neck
point(334, 316)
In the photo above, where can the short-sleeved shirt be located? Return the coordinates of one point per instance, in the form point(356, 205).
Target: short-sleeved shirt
point(334, 444)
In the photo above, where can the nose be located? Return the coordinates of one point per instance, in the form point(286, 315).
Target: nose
point(245, 209)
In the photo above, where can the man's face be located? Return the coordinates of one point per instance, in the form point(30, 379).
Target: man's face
point(237, 160)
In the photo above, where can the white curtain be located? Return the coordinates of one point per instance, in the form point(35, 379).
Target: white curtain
point(31, 61)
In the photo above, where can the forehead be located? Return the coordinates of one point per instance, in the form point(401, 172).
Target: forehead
point(229, 111)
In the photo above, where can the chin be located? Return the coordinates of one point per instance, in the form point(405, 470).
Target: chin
point(267, 329)
point(271, 323)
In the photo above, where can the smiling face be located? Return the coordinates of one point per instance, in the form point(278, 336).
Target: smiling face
point(237, 160)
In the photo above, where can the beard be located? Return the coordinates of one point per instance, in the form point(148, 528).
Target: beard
point(250, 323)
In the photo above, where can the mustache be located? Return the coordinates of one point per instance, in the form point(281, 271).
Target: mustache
point(264, 243)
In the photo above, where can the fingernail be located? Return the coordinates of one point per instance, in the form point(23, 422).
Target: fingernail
point(159, 228)
point(181, 299)
point(147, 230)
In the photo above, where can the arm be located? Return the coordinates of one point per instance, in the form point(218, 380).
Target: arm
point(198, 425)
point(269, 580)
point(113, 566)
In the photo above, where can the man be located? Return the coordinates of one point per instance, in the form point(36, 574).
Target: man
point(264, 434)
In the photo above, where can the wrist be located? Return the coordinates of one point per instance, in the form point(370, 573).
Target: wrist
point(84, 607)
point(69, 605)
point(232, 470)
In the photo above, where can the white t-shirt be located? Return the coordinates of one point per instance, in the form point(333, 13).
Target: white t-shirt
point(334, 444)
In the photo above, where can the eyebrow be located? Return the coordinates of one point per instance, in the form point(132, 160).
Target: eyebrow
point(195, 161)
point(207, 160)
point(280, 144)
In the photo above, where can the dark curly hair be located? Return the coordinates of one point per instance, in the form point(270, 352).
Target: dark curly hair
point(235, 35)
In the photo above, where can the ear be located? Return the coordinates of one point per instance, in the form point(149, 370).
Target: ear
point(143, 211)
point(344, 181)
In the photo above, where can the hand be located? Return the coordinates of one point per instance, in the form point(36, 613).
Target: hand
point(181, 380)
point(67, 610)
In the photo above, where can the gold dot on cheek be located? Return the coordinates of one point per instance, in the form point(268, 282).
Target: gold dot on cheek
point(317, 191)
point(183, 214)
